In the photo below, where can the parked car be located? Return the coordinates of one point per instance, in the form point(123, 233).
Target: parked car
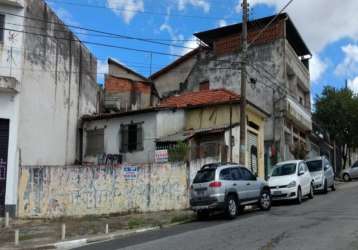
point(227, 187)
point(322, 173)
point(350, 173)
point(291, 180)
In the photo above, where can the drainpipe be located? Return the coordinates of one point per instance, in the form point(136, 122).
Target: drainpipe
point(81, 141)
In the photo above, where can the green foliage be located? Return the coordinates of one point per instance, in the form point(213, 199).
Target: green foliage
point(179, 152)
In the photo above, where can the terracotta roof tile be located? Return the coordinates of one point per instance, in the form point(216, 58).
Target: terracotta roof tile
point(200, 98)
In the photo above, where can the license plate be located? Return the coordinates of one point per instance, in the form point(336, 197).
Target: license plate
point(277, 193)
point(201, 193)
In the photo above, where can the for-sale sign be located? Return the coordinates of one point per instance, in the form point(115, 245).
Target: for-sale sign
point(130, 173)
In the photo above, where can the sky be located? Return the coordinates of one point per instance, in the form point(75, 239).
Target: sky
point(329, 30)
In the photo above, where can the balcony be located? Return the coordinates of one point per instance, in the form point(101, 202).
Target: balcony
point(9, 85)
point(298, 68)
point(14, 3)
point(298, 114)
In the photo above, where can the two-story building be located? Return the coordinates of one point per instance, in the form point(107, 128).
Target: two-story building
point(47, 82)
point(278, 77)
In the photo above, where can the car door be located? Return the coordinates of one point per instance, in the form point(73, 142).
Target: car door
point(308, 178)
point(239, 183)
point(354, 171)
point(302, 177)
point(252, 185)
point(328, 172)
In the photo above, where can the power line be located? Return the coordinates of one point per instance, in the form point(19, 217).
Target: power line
point(152, 13)
point(97, 31)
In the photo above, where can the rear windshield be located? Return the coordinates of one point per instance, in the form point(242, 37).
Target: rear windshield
point(286, 169)
point(205, 175)
point(314, 166)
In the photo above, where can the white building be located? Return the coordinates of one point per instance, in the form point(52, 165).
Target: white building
point(47, 82)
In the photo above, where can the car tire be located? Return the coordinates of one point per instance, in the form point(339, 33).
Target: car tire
point(325, 187)
point(265, 201)
point(231, 207)
point(346, 177)
point(202, 215)
point(333, 188)
point(299, 196)
point(311, 194)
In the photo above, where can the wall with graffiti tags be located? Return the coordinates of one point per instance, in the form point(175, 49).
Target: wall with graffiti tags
point(48, 192)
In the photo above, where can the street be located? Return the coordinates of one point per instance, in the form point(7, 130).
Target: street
point(326, 222)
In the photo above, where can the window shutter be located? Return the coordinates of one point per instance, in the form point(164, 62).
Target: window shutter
point(139, 137)
point(124, 138)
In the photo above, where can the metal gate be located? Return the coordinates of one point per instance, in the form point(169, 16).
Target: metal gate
point(4, 145)
point(253, 154)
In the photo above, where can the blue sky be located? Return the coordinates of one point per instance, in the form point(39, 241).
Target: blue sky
point(330, 32)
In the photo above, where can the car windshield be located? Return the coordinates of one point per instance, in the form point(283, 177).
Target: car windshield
point(314, 166)
point(285, 169)
point(205, 175)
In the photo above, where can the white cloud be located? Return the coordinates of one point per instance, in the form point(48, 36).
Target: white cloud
point(204, 4)
point(317, 68)
point(190, 45)
point(222, 23)
point(127, 9)
point(349, 66)
point(320, 22)
point(353, 85)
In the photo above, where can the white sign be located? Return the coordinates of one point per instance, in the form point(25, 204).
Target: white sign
point(130, 173)
point(161, 156)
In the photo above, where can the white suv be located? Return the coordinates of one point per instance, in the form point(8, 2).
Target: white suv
point(291, 180)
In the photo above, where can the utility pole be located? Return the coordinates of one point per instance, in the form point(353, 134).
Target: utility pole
point(243, 84)
point(230, 140)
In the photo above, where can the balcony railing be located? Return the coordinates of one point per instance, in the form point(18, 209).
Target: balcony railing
point(298, 114)
point(9, 84)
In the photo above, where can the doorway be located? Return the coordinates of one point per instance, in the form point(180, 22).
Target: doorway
point(4, 147)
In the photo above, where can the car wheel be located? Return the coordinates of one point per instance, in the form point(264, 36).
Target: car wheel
point(333, 186)
point(299, 196)
point(203, 215)
point(325, 188)
point(265, 200)
point(346, 177)
point(311, 194)
point(231, 210)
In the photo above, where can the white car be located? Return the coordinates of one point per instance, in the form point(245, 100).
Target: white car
point(291, 180)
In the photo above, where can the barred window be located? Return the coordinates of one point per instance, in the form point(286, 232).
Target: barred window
point(131, 137)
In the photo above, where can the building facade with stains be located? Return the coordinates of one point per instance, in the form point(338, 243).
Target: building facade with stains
point(47, 82)
point(278, 77)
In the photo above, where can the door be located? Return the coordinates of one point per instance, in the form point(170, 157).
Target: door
point(354, 170)
point(328, 172)
point(305, 178)
point(252, 146)
point(252, 185)
point(4, 145)
point(239, 184)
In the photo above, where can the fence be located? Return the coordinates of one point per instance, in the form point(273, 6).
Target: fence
point(48, 192)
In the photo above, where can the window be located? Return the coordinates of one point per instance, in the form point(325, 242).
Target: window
point(225, 175)
point(205, 85)
point(95, 142)
point(247, 175)
point(131, 137)
point(283, 170)
point(314, 166)
point(2, 26)
point(205, 175)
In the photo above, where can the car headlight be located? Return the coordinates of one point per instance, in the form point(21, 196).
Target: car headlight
point(292, 184)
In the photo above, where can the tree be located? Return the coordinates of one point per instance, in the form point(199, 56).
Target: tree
point(336, 111)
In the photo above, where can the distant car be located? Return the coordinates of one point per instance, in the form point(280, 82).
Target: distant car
point(350, 173)
point(322, 173)
point(227, 187)
point(291, 180)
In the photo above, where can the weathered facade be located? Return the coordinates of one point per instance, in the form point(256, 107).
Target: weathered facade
point(48, 81)
point(278, 77)
point(125, 89)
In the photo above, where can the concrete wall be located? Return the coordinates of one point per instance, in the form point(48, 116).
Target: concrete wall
point(58, 87)
point(170, 122)
point(77, 191)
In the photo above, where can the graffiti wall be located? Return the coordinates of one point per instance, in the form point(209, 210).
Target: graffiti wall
point(49, 192)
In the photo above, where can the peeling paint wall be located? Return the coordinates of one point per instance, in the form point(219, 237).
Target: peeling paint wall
point(49, 192)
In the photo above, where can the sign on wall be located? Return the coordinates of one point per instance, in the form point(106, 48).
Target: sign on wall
point(130, 173)
point(161, 156)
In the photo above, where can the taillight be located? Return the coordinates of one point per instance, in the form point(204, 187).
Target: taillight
point(215, 184)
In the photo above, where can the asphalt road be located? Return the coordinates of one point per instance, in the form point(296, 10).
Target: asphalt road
point(326, 222)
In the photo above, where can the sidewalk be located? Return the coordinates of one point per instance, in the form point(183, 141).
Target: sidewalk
point(39, 232)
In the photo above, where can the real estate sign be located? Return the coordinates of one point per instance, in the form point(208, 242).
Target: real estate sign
point(161, 156)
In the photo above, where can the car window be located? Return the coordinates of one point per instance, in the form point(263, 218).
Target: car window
point(301, 168)
point(355, 165)
point(314, 166)
point(226, 175)
point(285, 169)
point(205, 175)
point(247, 175)
point(235, 173)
